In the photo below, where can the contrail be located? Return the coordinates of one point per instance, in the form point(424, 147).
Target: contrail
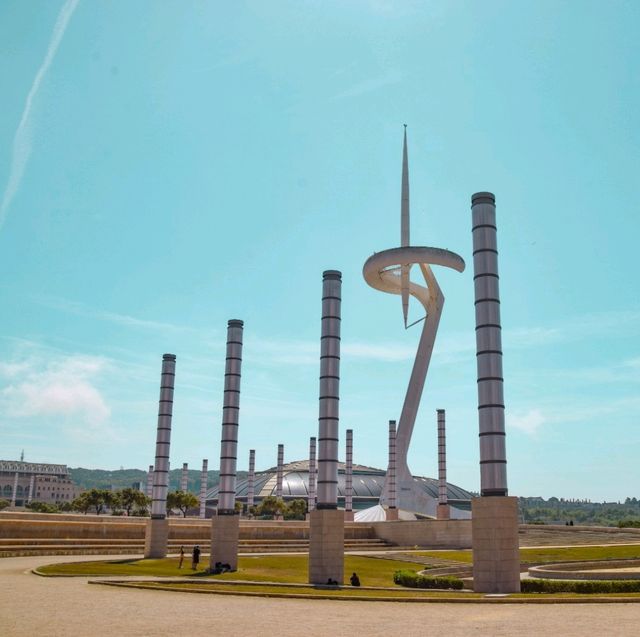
point(23, 140)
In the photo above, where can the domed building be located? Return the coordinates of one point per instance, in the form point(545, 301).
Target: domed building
point(367, 487)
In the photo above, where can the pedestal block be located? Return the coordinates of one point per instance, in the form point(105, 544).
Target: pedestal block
point(225, 531)
point(348, 516)
point(156, 538)
point(326, 546)
point(496, 556)
point(443, 512)
point(392, 514)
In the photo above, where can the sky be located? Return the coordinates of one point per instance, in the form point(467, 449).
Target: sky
point(167, 166)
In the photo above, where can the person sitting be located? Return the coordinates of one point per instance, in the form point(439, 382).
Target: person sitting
point(355, 580)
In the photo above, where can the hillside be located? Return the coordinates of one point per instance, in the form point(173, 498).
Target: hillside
point(120, 478)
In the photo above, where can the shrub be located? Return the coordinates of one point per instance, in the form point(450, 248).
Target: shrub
point(576, 586)
point(4, 503)
point(411, 579)
point(624, 524)
point(43, 507)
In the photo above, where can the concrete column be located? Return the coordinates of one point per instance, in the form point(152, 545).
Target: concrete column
point(251, 479)
point(157, 532)
point(329, 391)
point(493, 458)
point(32, 483)
point(443, 512)
point(392, 510)
point(203, 488)
point(496, 564)
point(280, 471)
point(312, 474)
point(225, 524)
point(348, 478)
point(184, 480)
point(149, 481)
point(326, 522)
point(14, 493)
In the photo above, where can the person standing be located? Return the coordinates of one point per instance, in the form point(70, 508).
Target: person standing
point(181, 557)
point(195, 557)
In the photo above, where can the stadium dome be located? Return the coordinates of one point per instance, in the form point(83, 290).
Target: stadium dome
point(367, 486)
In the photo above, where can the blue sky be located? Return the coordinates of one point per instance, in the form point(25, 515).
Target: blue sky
point(166, 166)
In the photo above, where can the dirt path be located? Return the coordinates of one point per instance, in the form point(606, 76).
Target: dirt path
point(32, 605)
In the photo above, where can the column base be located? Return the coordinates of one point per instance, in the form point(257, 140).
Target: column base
point(326, 546)
point(392, 514)
point(156, 538)
point(443, 512)
point(348, 516)
point(225, 531)
point(496, 555)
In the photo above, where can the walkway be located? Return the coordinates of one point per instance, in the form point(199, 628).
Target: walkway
point(47, 607)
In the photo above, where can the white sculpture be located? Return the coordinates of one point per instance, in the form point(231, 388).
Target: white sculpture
point(390, 271)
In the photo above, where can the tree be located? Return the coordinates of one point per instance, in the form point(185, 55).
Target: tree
point(296, 509)
point(4, 504)
point(97, 498)
point(130, 498)
point(270, 506)
point(82, 503)
point(182, 500)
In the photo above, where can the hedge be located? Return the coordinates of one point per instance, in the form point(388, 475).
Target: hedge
point(411, 579)
point(576, 586)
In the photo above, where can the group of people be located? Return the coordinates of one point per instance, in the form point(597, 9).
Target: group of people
point(354, 579)
point(195, 557)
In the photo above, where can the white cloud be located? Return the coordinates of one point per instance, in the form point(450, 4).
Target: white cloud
point(60, 386)
point(22, 141)
point(528, 422)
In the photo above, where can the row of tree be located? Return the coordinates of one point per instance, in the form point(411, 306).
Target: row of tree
point(133, 502)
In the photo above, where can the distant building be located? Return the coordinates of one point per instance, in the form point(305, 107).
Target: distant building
point(50, 483)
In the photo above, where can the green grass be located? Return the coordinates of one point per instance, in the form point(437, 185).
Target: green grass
point(306, 591)
point(271, 568)
point(544, 555)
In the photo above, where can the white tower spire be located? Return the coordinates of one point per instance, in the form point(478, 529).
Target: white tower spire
point(404, 228)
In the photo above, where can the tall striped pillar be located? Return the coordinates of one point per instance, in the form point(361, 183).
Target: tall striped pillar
point(225, 524)
point(149, 481)
point(496, 562)
point(280, 471)
point(326, 522)
point(184, 480)
point(163, 438)
point(329, 391)
point(493, 458)
point(251, 479)
point(203, 488)
point(443, 503)
point(312, 474)
point(32, 484)
point(348, 478)
point(392, 511)
point(157, 532)
point(230, 414)
point(14, 493)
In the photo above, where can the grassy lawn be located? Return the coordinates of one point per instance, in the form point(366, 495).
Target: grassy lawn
point(544, 555)
point(306, 591)
point(271, 568)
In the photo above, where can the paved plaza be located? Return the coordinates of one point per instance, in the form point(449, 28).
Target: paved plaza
point(32, 605)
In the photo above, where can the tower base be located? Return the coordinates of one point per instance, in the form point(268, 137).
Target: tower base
point(156, 538)
point(348, 516)
point(496, 555)
point(225, 531)
point(326, 546)
point(443, 512)
point(391, 513)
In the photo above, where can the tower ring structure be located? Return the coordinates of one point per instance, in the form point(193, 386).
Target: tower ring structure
point(390, 271)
